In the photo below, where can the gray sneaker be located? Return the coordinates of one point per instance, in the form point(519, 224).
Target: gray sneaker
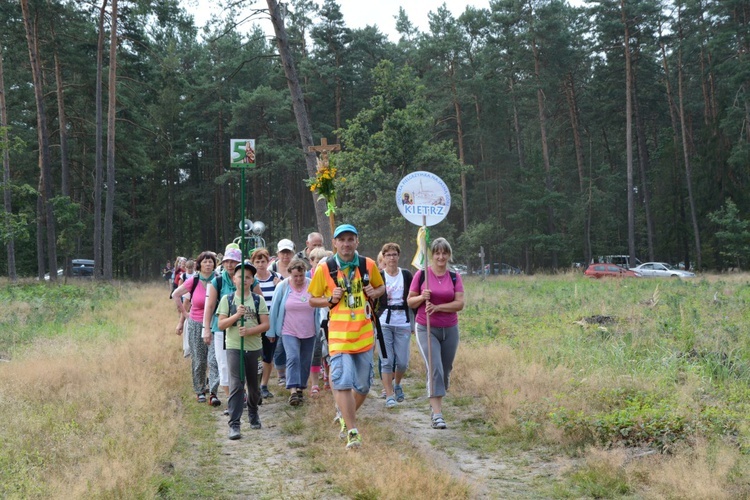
point(399, 393)
point(234, 433)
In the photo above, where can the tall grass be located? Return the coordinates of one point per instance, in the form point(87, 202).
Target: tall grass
point(644, 383)
point(613, 363)
point(86, 415)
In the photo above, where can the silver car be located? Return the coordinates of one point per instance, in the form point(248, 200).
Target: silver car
point(661, 269)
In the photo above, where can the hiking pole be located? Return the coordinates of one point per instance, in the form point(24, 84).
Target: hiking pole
point(427, 315)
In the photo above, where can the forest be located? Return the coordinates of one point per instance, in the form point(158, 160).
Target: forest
point(563, 132)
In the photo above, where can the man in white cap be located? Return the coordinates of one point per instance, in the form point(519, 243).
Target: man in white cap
point(340, 284)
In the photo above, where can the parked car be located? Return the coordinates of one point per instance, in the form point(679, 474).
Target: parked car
point(620, 260)
point(498, 268)
point(609, 271)
point(461, 269)
point(82, 268)
point(661, 269)
point(59, 275)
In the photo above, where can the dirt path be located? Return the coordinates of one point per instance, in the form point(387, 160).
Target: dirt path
point(492, 471)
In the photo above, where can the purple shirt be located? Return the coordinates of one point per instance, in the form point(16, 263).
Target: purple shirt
point(441, 292)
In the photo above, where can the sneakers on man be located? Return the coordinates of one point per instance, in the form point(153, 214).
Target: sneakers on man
point(340, 420)
point(213, 400)
point(264, 392)
point(234, 433)
point(255, 421)
point(201, 398)
point(399, 391)
point(353, 439)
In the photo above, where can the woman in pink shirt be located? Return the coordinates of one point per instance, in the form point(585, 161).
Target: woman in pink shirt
point(201, 355)
point(441, 301)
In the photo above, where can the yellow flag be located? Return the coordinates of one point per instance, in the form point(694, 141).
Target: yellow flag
point(418, 260)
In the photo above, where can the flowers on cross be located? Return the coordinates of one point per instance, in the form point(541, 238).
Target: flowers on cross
point(324, 183)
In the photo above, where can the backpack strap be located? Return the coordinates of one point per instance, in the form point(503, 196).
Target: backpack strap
point(230, 301)
point(256, 302)
point(333, 268)
point(452, 275)
point(196, 280)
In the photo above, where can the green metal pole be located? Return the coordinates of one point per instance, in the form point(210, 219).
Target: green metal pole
point(242, 272)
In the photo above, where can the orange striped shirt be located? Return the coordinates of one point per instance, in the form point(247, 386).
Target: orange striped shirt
point(347, 334)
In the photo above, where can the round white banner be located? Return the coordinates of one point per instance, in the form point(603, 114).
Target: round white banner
point(423, 197)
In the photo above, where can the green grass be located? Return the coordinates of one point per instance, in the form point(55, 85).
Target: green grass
point(666, 337)
point(41, 310)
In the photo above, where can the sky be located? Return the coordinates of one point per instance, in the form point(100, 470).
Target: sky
point(358, 13)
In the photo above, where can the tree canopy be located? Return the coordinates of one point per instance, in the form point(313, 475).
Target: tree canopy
point(520, 107)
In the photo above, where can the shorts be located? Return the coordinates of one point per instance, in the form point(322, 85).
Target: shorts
point(352, 371)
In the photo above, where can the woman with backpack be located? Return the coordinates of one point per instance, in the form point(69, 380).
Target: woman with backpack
point(189, 271)
point(441, 301)
point(202, 356)
point(396, 321)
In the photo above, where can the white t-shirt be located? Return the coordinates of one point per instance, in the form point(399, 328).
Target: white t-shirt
point(394, 287)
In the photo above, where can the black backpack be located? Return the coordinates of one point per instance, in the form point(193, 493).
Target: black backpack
point(421, 281)
point(333, 269)
point(383, 301)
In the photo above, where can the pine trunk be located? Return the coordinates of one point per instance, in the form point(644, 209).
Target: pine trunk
point(629, 137)
point(545, 146)
point(300, 113)
point(98, 153)
point(111, 111)
point(686, 159)
point(44, 153)
point(10, 244)
point(578, 145)
point(644, 163)
point(461, 155)
point(63, 124)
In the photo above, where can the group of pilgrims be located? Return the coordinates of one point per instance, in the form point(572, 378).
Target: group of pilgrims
point(316, 318)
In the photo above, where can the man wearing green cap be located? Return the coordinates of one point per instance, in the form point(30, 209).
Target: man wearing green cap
point(346, 292)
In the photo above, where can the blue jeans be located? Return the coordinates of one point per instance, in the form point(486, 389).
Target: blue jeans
point(279, 354)
point(352, 371)
point(299, 354)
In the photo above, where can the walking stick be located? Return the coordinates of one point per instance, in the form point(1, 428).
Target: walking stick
point(430, 382)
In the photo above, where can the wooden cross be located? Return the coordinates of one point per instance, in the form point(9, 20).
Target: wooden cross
point(324, 149)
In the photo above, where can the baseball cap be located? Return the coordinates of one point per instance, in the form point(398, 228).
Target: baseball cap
point(285, 244)
point(246, 265)
point(345, 228)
